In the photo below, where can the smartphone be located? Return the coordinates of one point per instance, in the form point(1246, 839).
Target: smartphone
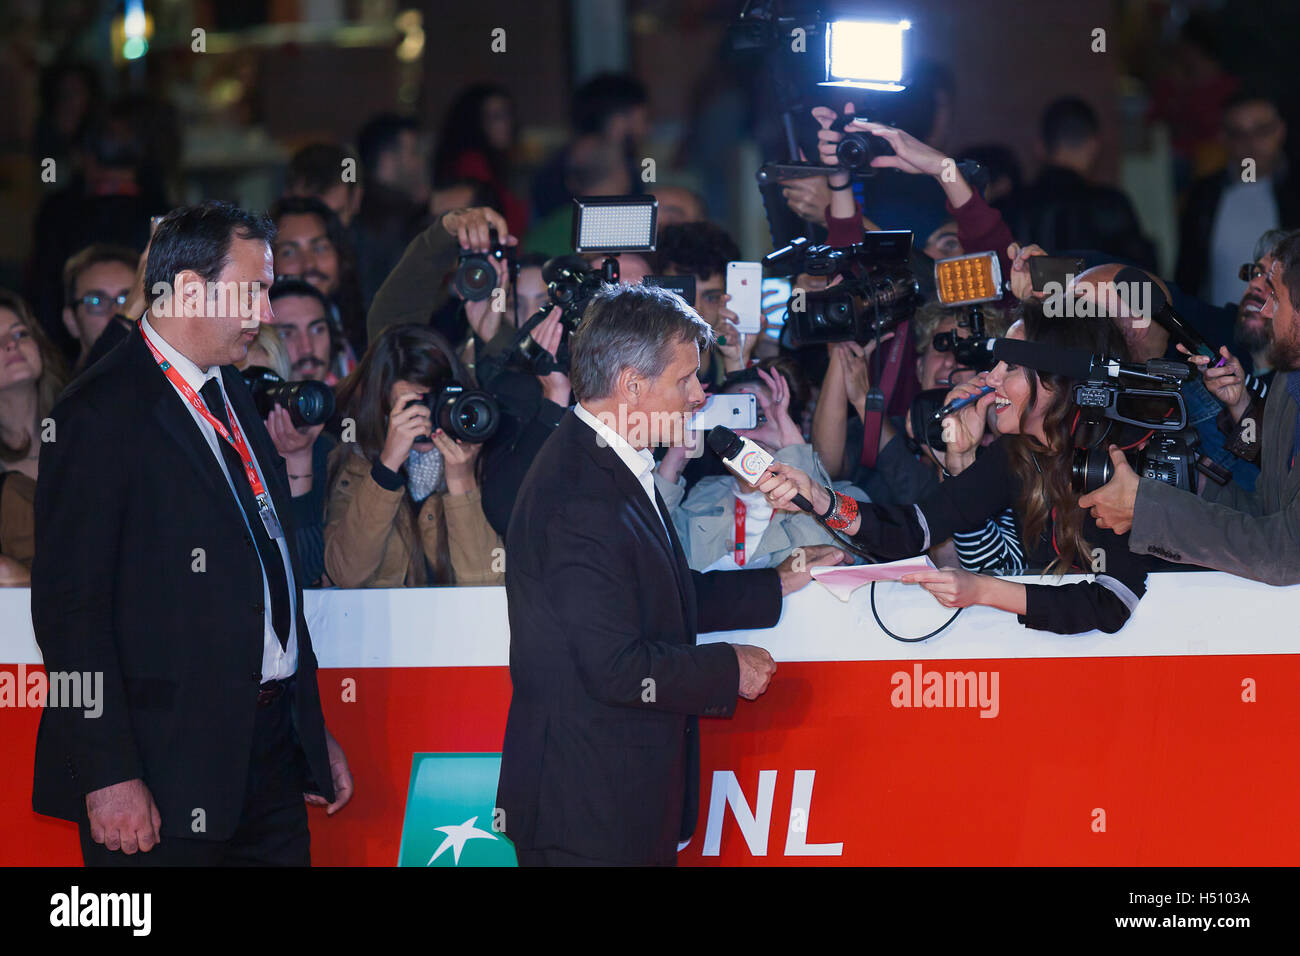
point(733, 411)
point(745, 286)
point(682, 285)
point(1059, 269)
point(775, 302)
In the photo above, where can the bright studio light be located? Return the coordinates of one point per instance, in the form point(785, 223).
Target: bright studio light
point(614, 223)
point(865, 54)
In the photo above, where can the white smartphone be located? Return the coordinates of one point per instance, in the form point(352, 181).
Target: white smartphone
point(734, 411)
point(745, 286)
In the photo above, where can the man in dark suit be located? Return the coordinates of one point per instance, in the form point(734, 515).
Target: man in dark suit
point(601, 757)
point(1064, 208)
point(162, 564)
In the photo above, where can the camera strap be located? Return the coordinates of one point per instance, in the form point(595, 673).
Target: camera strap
point(874, 418)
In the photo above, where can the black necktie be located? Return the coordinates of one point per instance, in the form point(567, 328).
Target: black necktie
point(272, 561)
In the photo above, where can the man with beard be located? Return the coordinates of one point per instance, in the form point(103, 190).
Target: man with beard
point(301, 320)
point(1251, 534)
point(310, 245)
point(1251, 332)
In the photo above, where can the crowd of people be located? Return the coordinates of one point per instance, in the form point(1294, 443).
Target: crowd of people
point(367, 235)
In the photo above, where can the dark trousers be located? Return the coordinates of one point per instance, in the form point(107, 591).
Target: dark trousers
point(272, 829)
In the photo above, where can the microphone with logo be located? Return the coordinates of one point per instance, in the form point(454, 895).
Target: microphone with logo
point(745, 459)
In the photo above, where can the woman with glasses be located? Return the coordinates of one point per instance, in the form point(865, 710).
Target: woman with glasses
point(97, 284)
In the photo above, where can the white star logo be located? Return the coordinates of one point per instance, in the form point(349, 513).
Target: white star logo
point(457, 837)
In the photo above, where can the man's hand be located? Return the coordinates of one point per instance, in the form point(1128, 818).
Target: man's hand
point(480, 314)
point(548, 334)
point(13, 574)
point(807, 198)
point(796, 570)
point(1022, 284)
point(1112, 504)
point(756, 669)
point(290, 441)
point(471, 227)
point(124, 817)
point(1226, 383)
point(341, 776)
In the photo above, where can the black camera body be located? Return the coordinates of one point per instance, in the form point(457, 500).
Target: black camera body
point(570, 284)
point(856, 150)
point(970, 350)
point(309, 403)
point(476, 274)
point(470, 416)
point(1168, 456)
point(878, 292)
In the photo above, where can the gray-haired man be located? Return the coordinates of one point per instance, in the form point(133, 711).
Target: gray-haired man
point(601, 756)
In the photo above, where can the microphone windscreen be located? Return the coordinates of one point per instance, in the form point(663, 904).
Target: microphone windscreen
point(723, 442)
point(1130, 277)
point(1070, 363)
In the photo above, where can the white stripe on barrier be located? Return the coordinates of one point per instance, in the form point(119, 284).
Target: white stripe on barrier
point(1182, 613)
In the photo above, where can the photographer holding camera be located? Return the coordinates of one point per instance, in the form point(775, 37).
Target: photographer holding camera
point(404, 506)
point(1251, 534)
point(1028, 469)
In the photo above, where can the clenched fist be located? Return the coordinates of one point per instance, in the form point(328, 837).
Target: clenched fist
point(756, 669)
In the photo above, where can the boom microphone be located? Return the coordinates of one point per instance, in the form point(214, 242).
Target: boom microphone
point(745, 459)
point(1164, 313)
point(1068, 363)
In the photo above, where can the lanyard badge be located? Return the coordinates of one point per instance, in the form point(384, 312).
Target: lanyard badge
point(260, 495)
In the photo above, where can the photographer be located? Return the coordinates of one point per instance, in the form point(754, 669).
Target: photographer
point(416, 288)
point(1249, 533)
point(404, 510)
point(1027, 469)
point(726, 524)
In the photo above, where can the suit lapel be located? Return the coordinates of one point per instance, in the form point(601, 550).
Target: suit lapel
point(631, 489)
point(170, 412)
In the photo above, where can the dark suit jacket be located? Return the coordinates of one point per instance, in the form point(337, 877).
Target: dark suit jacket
point(1196, 224)
point(128, 490)
point(1062, 210)
point(601, 754)
point(1248, 533)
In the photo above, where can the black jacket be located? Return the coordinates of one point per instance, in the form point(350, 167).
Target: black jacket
point(985, 490)
point(1196, 225)
point(601, 753)
point(129, 490)
point(1062, 210)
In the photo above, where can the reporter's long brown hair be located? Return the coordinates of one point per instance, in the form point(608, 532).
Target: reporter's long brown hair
point(54, 371)
point(1044, 470)
point(414, 353)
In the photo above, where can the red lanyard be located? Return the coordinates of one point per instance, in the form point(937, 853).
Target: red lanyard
point(739, 550)
point(237, 442)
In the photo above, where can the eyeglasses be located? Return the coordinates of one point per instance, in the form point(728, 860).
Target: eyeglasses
point(99, 302)
point(1249, 271)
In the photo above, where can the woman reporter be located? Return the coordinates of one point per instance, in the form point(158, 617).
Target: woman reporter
point(1027, 469)
point(404, 510)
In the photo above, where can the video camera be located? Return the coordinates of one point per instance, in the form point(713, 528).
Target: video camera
point(1143, 398)
point(878, 292)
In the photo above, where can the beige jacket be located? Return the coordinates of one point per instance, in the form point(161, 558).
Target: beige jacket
point(370, 533)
